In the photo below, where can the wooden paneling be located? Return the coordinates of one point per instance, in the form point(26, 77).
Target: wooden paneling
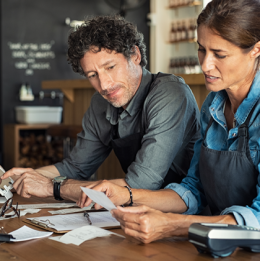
point(193, 79)
point(200, 92)
point(197, 85)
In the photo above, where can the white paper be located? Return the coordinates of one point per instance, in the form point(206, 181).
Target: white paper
point(2, 200)
point(70, 210)
point(103, 219)
point(99, 197)
point(73, 221)
point(47, 205)
point(25, 233)
point(55, 238)
point(79, 235)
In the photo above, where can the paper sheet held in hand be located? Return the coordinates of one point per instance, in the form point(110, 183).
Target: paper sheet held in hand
point(99, 197)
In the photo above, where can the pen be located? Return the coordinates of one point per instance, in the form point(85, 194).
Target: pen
point(86, 215)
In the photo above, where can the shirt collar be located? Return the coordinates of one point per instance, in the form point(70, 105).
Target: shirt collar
point(136, 102)
point(245, 107)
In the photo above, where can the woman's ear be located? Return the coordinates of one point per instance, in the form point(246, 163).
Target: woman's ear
point(255, 52)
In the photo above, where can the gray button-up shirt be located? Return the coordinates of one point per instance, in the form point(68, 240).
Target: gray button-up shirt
point(171, 126)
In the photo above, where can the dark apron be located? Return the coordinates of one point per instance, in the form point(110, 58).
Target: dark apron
point(126, 148)
point(228, 177)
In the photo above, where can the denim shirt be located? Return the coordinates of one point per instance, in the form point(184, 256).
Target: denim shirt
point(221, 139)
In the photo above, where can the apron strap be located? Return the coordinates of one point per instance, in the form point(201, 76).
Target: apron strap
point(243, 136)
point(114, 128)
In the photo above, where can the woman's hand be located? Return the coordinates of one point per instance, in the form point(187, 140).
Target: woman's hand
point(119, 195)
point(147, 224)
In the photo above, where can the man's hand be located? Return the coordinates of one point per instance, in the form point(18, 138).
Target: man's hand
point(117, 194)
point(146, 224)
point(29, 182)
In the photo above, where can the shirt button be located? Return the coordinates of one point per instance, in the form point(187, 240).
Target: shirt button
point(212, 109)
point(234, 135)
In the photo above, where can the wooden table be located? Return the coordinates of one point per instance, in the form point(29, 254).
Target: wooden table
point(106, 248)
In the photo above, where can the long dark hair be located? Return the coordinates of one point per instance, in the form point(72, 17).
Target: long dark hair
point(237, 21)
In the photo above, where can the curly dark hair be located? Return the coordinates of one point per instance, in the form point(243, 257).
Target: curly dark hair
point(113, 33)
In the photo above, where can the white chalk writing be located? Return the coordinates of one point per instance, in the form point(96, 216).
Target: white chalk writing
point(32, 56)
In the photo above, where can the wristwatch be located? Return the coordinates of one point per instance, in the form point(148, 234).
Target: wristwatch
point(57, 182)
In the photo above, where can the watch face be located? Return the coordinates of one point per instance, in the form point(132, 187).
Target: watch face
point(59, 179)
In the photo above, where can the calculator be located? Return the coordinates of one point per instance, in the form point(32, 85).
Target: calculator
point(6, 185)
point(221, 240)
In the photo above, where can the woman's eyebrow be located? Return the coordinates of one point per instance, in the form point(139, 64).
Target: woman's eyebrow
point(214, 50)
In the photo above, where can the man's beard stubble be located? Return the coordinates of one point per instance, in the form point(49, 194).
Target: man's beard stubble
point(124, 99)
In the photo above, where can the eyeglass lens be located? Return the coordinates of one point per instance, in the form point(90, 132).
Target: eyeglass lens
point(7, 206)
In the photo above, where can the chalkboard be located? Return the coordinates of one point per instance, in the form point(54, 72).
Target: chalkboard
point(34, 44)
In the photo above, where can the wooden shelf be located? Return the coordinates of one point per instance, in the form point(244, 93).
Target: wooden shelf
point(11, 141)
point(196, 3)
point(67, 86)
point(197, 85)
point(193, 40)
point(193, 79)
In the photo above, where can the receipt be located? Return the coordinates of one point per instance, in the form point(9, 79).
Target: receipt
point(79, 235)
point(99, 197)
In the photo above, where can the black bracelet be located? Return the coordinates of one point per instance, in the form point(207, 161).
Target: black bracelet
point(131, 195)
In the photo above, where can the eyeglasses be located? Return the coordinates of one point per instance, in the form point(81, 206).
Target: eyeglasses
point(4, 210)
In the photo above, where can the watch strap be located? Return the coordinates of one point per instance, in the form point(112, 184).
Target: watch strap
point(56, 190)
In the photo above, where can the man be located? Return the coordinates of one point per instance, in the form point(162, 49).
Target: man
point(150, 121)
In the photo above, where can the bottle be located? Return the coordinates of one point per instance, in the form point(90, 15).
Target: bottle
point(192, 65)
point(23, 92)
point(197, 65)
point(190, 30)
point(30, 95)
point(171, 66)
point(184, 31)
point(182, 64)
point(179, 31)
point(187, 65)
point(195, 28)
point(173, 33)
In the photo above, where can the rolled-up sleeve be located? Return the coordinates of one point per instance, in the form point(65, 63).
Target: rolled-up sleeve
point(187, 196)
point(243, 215)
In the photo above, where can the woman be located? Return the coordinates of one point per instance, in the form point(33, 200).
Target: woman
point(224, 172)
